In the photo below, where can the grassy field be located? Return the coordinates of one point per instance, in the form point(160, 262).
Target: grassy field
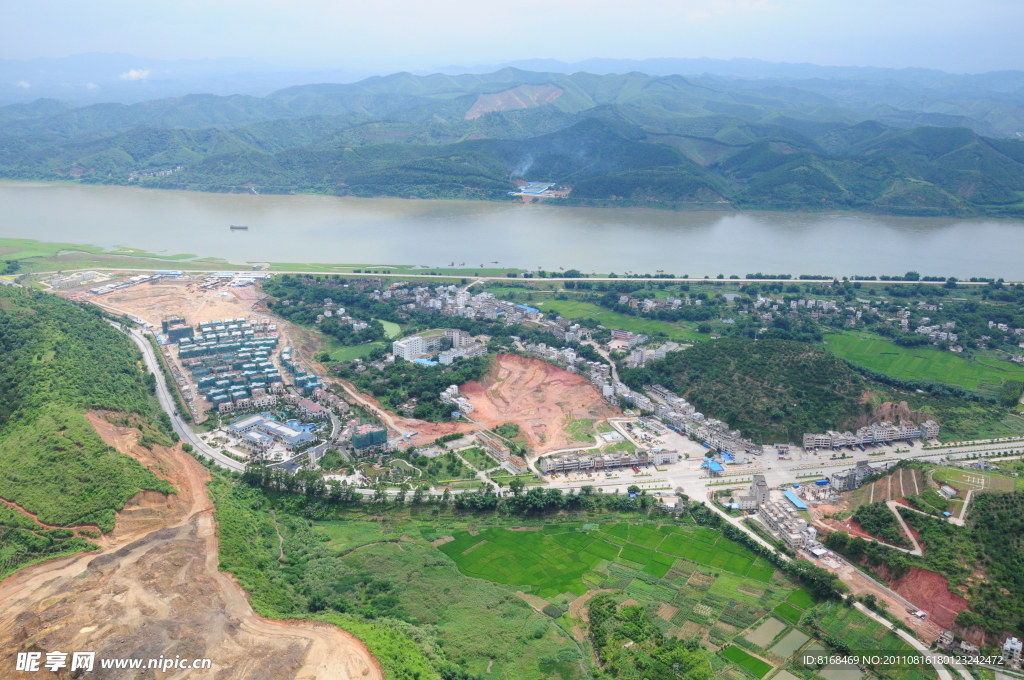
point(965, 480)
point(355, 352)
point(554, 561)
point(475, 619)
point(867, 636)
point(476, 457)
point(744, 660)
point(573, 309)
point(917, 363)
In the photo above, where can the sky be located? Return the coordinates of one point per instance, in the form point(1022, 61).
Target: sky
point(960, 36)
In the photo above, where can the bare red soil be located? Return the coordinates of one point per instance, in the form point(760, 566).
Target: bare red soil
point(539, 397)
point(930, 592)
point(521, 97)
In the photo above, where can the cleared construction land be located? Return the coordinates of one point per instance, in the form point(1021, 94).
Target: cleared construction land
point(546, 402)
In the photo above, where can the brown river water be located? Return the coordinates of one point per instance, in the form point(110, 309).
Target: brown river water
point(322, 229)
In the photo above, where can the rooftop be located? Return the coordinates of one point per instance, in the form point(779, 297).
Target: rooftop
point(800, 505)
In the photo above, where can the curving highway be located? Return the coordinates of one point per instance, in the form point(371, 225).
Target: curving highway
point(168, 404)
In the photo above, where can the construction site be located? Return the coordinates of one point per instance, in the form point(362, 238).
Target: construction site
point(162, 296)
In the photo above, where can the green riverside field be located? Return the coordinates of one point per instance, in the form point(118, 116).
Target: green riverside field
point(916, 363)
point(554, 560)
point(572, 309)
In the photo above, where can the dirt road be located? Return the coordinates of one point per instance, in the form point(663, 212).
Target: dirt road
point(155, 590)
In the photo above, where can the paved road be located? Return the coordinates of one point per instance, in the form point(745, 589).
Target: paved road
point(168, 404)
point(944, 674)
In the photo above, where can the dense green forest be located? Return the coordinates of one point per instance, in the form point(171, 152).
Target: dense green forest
point(616, 140)
point(997, 530)
point(57, 360)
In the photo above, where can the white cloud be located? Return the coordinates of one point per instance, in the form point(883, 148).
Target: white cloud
point(23, 84)
point(91, 86)
point(135, 74)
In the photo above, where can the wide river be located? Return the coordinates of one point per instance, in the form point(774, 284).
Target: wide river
point(320, 229)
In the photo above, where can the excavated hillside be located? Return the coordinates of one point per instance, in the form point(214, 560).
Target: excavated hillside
point(545, 401)
point(154, 590)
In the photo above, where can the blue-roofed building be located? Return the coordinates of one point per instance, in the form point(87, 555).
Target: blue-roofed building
point(525, 308)
point(424, 362)
point(245, 424)
point(715, 468)
point(792, 497)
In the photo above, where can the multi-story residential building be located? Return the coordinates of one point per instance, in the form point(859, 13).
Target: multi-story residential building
point(876, 433)
point(311, 409)
point(516, 465)
point(757, 494)
point(369, 438)
point(458, 337)
point(408, 348)
point(852, 479)
point(1011, 652)
point(494, 446)
point(570, 463)
point(451, 396)
point(785, 523)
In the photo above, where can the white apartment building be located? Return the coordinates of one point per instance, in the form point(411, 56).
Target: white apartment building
point(407, 348)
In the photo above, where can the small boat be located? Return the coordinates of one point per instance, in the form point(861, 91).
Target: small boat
point(238, 226)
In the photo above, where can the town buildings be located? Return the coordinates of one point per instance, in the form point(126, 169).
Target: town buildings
point(849, 480)
point(592, 463)
point(756, 495)
point(494, 446)
point(461, 404)
point(870, 435)
point(785, 522)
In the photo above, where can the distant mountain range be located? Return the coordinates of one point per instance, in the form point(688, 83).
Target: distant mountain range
point(766, 136)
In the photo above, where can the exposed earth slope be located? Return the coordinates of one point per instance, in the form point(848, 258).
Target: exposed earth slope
point(155, 590)
point(539, 397)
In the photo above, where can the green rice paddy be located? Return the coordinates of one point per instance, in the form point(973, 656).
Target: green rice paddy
point(744, 660)
point(554, 560)
point(916, 363)
point(788, 613)
point(801, 598)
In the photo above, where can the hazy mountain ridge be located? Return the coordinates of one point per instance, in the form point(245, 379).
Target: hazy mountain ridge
point(625, 139)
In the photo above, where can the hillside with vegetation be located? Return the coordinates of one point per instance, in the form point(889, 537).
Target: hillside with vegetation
point(57, 361)
point(981, 561)
point(771, 390)
point(617, 140)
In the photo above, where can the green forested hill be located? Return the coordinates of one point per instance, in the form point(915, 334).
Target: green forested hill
point(620, 140)
point(58, 360)
point(772, 390)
